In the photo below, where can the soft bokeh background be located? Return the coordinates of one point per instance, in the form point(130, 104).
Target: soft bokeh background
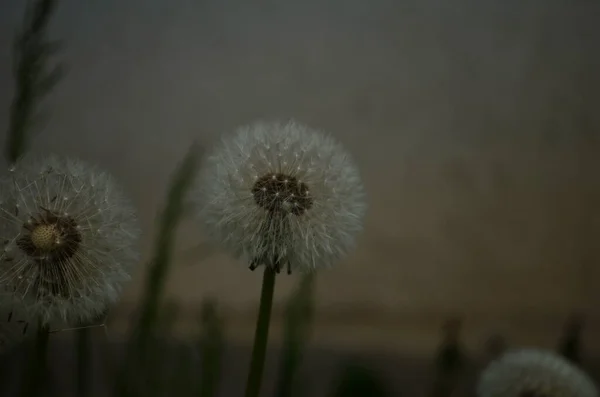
point(475, 123)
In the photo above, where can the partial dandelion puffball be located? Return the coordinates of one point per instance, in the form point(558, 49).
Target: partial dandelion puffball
point(534, 373)
point(281, 194)
point(69, 239)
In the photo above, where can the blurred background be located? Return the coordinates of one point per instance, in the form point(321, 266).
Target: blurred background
point(475, 124)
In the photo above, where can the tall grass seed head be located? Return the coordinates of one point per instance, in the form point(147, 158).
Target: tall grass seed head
point(281, 194)
point(69, 239)
point(534, 373)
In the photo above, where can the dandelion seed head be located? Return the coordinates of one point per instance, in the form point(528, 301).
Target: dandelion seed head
point(534, 373)
point(68, 237)
point(281, 194)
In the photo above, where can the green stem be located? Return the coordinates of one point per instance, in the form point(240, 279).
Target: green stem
point(261, 335)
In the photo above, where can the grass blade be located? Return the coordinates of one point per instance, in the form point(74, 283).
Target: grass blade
point(31, 52)
point(159, 266)
point(297, 327)
point(160, 353)
point(212, 344)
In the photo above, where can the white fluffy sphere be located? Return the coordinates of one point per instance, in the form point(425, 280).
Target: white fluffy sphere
point(534, 373)
point(281, 194)
point(69, 239)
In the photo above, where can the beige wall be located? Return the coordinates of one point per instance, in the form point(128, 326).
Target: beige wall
point(470, 120)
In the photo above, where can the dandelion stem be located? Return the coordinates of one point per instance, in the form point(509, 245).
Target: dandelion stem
point(261, 335)
point(83, 361)
point(33, 381)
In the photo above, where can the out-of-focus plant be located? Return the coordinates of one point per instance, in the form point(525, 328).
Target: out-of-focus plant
point(570, 343)
point(156, 277)
point(160, 351)
point(298, 321)
point(31, 52)
point(450, 359)
point(34, 77)
point(182, 373)
point(211, 345)
point(358, 381)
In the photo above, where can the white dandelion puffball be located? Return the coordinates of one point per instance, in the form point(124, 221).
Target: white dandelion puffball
point(281, 194)
point(69, 239)
point(534, 373)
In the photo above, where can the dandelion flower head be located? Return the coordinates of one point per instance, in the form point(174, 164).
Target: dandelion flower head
point(69, 239)
point(534, 373)
point(281, 194)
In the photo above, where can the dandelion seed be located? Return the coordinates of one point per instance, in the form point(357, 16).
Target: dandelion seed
point(281, 194)
point(13, 329)
point(534, 373)
point(69, 239)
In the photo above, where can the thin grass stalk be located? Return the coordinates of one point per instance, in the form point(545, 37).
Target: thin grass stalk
point(261, 335)
point(163, 248)
point(297, 327)
point(159, 267)
point(211, 344)
point(35, 372)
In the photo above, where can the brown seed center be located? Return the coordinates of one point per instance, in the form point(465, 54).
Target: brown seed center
point(277, 192)
point(49, 238)
point(45, 237)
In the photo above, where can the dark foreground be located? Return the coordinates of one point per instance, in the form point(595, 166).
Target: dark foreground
point(404, 375)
